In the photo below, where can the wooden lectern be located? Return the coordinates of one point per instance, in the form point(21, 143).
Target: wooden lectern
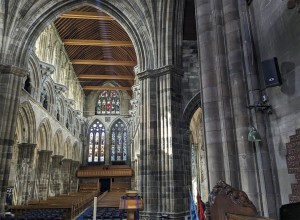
point(132, 202)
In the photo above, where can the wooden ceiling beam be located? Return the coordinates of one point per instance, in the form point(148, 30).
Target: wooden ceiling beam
point(106, 88)
point(80, 42)
point(86, 15)
point(104, 62)
point(114, 77)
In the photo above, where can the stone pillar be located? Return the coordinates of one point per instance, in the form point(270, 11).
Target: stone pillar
point(43, 174)
point(55, 175)
point(25, 173)
point(219, 129)
point(11, 79)
point(265, 198)
point(164, 182)
point(65, 173)
point(73, 178)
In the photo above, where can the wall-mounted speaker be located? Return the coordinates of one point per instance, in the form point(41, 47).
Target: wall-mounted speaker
point(271, 72)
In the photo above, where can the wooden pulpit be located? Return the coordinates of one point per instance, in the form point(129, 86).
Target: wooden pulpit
point(132, 203)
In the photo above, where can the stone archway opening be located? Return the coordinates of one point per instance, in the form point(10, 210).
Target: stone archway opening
point(198, 156)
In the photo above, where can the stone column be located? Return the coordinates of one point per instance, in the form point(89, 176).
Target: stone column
point(43, 174)
point(73, 178)
point(219, 129)
point(164, 182)
point(65, 173)
point(11, 79)
point(55, 175)
point(25, 173)
point(265, 197)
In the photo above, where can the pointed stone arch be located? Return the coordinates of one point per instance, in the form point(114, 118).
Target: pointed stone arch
point(116, 120)
point(48, 89)
point(190, 108)
point(44, 135)
point(26, 123)
point(76, 151)
point(124, 12)
point(34, 74)
point(68, 151)
point(57, 143)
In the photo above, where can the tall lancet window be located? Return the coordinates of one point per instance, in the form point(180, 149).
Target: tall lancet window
point(108, 103)
point(118, 141)
point(96, 143)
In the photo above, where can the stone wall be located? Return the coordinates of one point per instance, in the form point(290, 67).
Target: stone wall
point(191, 69)
point(293, 163)
point(276, 34)
point(50, 49)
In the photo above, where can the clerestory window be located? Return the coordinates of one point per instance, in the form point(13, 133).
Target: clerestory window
point(108, 103)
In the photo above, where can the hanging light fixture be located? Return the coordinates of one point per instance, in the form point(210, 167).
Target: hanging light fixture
point(253, 135)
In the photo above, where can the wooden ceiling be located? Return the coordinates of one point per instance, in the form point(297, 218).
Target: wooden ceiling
point(99, 49)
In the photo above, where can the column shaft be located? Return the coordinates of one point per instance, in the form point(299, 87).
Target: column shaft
point(65, 173)
point(10, 84)
point(73, 178)
point(43, 174)
point(215, 90)
point(55, 175)
point(25, 173)
point(164, 183)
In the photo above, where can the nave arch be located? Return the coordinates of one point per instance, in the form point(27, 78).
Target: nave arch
point(155, 46)
point(68, 151)
point(57, 144)
point(26, 124)
point(44, 135)
point(193, 123)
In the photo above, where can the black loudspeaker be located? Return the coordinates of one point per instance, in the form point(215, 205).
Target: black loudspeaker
point(271, 72)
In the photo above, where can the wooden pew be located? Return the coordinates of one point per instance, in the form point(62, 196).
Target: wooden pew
point(74, 204)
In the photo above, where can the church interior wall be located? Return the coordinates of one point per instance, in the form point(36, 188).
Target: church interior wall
point(276, 32)
point(50, 49)
point(57, 124)
point(191, 69)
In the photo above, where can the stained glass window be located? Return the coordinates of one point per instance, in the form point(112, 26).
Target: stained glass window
point(118, 142)
point(108, 103)
point(96, 143)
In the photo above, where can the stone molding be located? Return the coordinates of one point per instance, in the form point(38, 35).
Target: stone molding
point(170, 69)
point(6, 69)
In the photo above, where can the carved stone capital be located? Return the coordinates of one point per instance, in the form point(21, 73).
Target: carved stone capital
point(173, 70)
point(46, 68)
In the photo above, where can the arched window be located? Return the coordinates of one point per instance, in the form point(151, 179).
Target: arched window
point(44, 98)
point(27, 85)
point(97, 142)
point(108, 103)
point(118, 141)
